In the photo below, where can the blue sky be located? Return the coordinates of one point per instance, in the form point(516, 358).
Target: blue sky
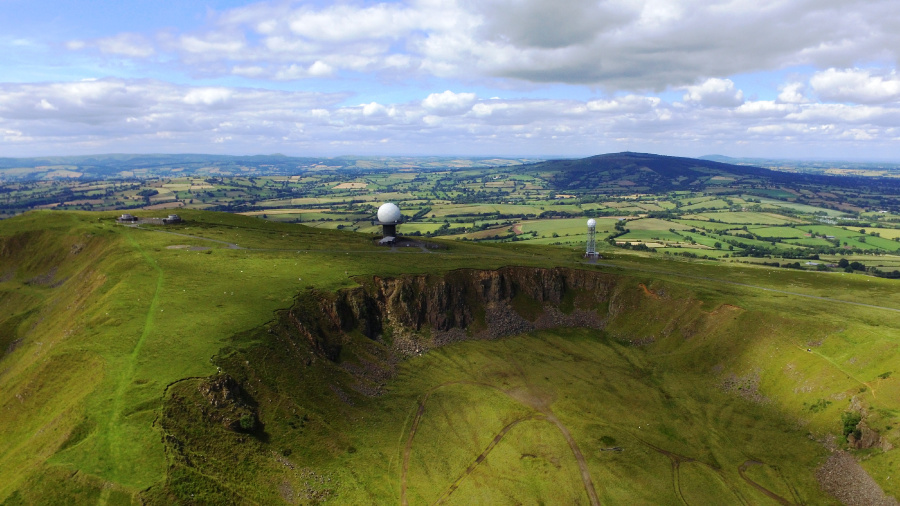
point(791, 78)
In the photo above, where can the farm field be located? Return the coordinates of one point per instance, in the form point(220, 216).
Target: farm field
point(511, 203)
point(723, 220)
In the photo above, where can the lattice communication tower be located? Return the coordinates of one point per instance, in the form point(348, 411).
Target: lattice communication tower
point(591, 251)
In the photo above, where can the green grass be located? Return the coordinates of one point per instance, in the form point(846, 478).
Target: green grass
point(708, 225)
point(803, 208)
point(570, 226)
point(747, 218)
point(853, 238)
point(111, 322)
point(706, 204)
point(780, 232)
point(651, 235)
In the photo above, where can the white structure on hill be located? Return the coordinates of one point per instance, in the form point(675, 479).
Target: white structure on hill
point(591, 251)
point(389, 217)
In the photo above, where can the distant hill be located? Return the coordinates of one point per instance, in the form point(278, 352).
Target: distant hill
point(830, 167)
point(629, 172)
point(142, 166)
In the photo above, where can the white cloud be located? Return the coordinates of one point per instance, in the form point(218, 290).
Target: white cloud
point(213, 45)
point(614, 44)
point(448, 103)
point(248, 71)
point(291, 72)
point(343, 23)
point(153, 116)
point(792, 93)
point(627, 104)
point(765, 108)
point(374, 109)
point(856, 85)
point(44, 105)
point(124, 44)
point(715, 92)
point(207, 96)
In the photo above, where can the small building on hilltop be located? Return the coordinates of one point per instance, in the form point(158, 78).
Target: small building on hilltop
point(389, 217)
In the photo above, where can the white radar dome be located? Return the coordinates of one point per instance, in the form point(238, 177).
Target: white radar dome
point(592, 223)
point(389, 213)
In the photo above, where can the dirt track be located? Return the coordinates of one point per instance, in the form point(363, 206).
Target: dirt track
point(743, 467)
point(543, 412)
point(484, 454)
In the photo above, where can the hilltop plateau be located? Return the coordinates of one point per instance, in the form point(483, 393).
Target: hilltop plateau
point(232, 359)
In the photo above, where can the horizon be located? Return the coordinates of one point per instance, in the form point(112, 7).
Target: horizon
point(794, 80)
point(488, 156)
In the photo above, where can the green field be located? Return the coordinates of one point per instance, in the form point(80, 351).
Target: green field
point(746, 218)
point(114, 336)
point(519, 203)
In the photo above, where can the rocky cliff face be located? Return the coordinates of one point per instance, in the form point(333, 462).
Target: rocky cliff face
point(414, 313)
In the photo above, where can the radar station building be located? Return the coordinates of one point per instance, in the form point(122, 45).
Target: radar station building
point(389, 217)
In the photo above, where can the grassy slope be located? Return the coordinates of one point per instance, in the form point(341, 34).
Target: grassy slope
point(80, 390)
point(131, 316)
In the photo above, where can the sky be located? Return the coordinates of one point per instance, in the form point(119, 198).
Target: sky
point(810, 79)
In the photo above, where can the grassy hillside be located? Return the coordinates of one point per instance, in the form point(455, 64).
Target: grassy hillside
point(154, 364)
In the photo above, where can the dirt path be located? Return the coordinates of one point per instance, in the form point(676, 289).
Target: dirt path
point(854, 378)
point(407, 451)
point(127, 378)
point(582, 464)
point(750, 463)
point(478, 460)
point(676, 461)
point(420, 412)
point(543, 413)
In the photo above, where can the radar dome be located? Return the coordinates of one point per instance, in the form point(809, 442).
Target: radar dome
point(592, 223)
point(389, 213)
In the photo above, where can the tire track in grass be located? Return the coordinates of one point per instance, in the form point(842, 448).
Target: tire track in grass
point(750, 463)
point(546, 414)
point(579, 457)
point(676, 461)
point(407, 451)
point(127, 378)
point(481, 458)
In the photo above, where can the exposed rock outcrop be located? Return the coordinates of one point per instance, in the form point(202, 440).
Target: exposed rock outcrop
point(868, 438)
point(415, 313)
point(231, 406)
point(846, 480)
